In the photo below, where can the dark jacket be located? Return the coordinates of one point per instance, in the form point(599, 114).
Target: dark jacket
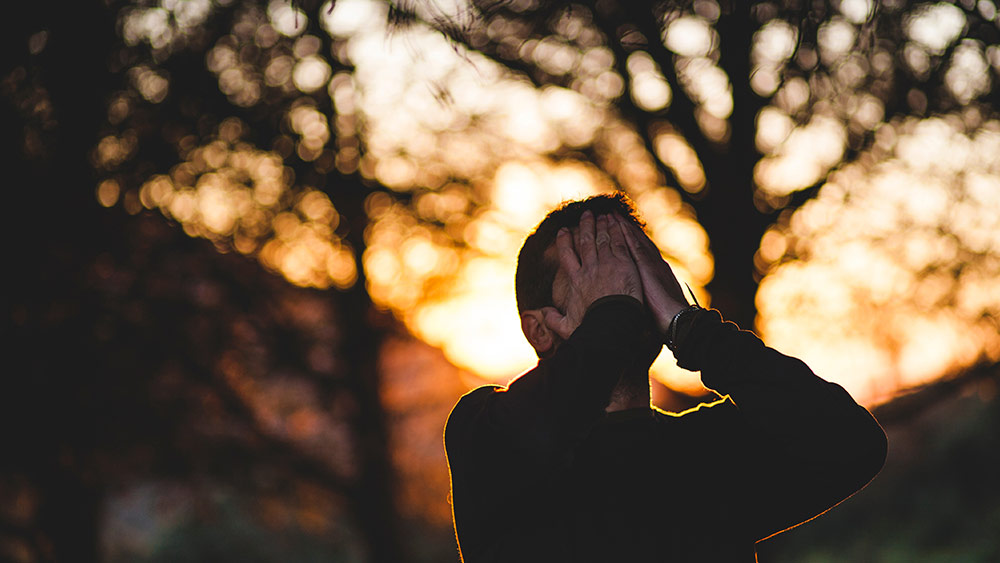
point(540, 472)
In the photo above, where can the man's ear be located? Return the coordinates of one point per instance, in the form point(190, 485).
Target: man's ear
point(539, 335)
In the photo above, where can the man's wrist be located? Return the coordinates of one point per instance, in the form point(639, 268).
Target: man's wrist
point(668, 314)
point(672, 337)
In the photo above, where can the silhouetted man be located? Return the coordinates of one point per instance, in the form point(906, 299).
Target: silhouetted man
point(570, 463)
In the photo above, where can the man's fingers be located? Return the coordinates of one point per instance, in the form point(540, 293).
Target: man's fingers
point(564, 246)
point(647, 255)
point(644, 244)
point(638, 234)
point(639, 251)
point(602, 238)
point(616, 230)
point(585, 238)
point(557, 322)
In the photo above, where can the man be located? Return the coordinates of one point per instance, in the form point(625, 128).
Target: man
point(570, 462)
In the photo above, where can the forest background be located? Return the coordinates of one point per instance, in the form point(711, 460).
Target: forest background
point(256, 250)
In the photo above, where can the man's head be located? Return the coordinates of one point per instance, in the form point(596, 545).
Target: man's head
point(538, 265)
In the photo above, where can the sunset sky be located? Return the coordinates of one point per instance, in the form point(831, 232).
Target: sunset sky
point(859, 282)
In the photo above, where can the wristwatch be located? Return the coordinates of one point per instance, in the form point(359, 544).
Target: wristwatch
point(672, 329)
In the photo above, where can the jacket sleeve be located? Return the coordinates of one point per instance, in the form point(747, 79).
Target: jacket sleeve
point(798, 444)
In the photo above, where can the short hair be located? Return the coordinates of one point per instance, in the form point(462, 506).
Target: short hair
point(534, 276)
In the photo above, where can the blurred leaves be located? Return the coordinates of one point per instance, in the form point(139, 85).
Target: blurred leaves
point(898, 256)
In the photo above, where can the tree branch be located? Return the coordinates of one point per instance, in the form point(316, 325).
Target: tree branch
point(681, 113)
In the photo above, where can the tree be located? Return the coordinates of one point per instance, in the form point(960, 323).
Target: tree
point(135, 352)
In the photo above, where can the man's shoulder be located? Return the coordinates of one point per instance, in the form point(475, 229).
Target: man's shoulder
point(467, 406)
point(473, 398)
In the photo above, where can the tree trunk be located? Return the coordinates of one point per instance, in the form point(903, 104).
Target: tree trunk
point(727, 212)
point(58, 229)
point(374, 501)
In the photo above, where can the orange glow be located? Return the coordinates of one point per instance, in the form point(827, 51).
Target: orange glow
point(472, 147)
point(152, 84)
point(677, 154)
point(889, 277)
point(311, 73)
point(806, 155)
point(107, 193)
point(445, 265)
point(477, 325)
point(312, 127)
point(773, 127)
point(112, 150)
point(650, 89)
point(836, 38)
point(236, 195)
point(286, 18)
point(689, 36)
point(461, 298)
point(935, 26)
point(709, 85)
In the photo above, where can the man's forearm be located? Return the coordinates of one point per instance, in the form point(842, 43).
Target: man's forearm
point(735, 362)
point(812, 444)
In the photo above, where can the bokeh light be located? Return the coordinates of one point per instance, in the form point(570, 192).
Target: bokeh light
point(468, 140)
point(473, 155)
point(650, 90)
point(889, 278)
point(935, 26)
point(806, 154)
point(240, 197)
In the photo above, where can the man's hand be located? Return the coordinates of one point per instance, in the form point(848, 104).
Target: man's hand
point(600, 265)
point(664, 295)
